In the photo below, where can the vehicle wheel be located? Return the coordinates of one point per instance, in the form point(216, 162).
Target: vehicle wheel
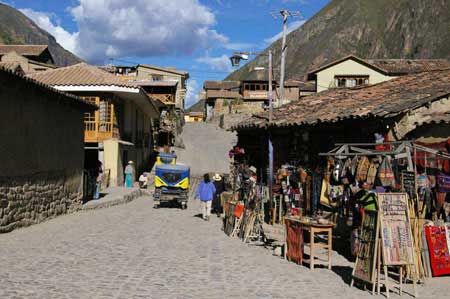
point(156, 206)
point(183, 206)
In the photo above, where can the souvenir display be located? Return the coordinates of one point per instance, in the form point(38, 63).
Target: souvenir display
point(438, 246)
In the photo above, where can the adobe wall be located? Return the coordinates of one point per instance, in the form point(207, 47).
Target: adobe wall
point(42, 152)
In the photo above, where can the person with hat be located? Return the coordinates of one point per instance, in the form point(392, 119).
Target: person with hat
point(220, 187)
point(129, 174)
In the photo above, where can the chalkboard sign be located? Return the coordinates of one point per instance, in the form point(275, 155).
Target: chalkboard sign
point(409, 183)
point(365, 264)
point(397, 243)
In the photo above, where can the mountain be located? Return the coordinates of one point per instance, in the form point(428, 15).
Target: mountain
point(365, 28)
point(16, 28)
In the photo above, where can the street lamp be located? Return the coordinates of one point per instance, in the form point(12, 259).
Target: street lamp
point(235, 60)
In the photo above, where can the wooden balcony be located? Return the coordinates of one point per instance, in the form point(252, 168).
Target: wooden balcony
point(99, 131)
point(166, 98)
point(100, 125)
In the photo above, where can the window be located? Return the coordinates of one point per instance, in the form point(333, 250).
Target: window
point(351, 81)
point(157, 78)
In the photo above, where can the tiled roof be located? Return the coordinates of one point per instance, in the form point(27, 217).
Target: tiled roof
point(80, 74)
point(409, 66)
point(12, 66)
point(221, 84)
point(67, 96)
point(27, 50)
point(442, 117)
point(393, 67)
point(384, 99)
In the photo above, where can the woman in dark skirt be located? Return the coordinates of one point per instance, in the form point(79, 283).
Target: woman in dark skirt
point(220, 187)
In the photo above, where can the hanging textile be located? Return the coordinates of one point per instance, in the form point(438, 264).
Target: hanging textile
point(372, 172)
point(385, 173)
point(363, 168)
point(443, 182)
point(354, 166)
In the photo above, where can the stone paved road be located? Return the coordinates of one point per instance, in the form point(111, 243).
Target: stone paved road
point(134, 251)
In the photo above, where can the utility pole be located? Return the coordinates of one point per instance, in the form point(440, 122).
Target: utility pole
point(285, 14)
point(268, 133)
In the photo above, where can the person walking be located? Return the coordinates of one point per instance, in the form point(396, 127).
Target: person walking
point(98, 173)
point(220, 187)
point(129, 174)
point(205, 192)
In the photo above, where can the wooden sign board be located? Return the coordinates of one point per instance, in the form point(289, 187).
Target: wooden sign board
point(365, 265)
point(397, 242)
point(409, 183)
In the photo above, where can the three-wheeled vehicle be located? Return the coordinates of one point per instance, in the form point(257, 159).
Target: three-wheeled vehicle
point(171, 181)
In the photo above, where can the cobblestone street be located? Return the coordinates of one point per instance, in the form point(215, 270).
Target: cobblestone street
point(135, 251)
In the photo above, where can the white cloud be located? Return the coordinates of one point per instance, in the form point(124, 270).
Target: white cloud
point(44, 20)
point(220, 63)
point(135, 28)
point(192, 93)
point(290, 27)
point(143, 28)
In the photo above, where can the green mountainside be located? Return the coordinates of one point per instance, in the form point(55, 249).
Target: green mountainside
point(366, 28)
point(16, 28)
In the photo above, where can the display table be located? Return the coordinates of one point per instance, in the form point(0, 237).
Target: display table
point(314, 230)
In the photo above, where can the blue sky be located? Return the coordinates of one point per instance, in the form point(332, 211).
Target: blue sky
point(196, 36)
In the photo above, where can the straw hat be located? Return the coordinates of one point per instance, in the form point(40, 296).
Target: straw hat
point(217, 177)
point(252, 169)
point(130, 162)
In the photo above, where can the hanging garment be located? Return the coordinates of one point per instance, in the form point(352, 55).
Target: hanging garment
point(346, 172)
point(354, 166)
point(385, 173)
point(372, 172)
point(443, 182)
point(363, 168)
point(337, 171)
point(330, 166)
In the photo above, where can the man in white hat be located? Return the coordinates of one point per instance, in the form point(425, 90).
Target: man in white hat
point(220, 187)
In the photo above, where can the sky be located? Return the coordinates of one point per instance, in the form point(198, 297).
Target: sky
point(197, 36)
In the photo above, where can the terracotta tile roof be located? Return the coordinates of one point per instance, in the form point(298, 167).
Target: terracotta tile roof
point(80, 74)
point(392, 67)
point(409, 66)
point(12, 66)
point(435, 118)
point(385, 99)
point(27, 50)
point(73, 99)
point(221, 85)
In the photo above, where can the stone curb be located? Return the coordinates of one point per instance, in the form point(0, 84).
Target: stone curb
point(99, 204)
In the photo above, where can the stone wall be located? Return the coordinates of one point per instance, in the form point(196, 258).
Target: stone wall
point(33, 199)
point(42, 152)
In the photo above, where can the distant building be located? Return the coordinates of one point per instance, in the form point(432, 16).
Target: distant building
point(166, 84)
point(196, 113)
point(42, 150)
point(122, 129)
point(352, 71)
point(250, 95)
point(31, 58)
